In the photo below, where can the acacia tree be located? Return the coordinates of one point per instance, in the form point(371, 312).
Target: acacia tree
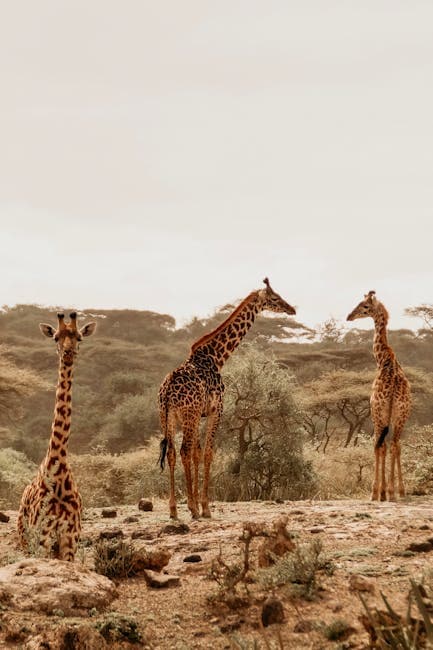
point(260, 431)
point(330, 331)
point(338, 400)
point(337, 404)
point(424, 311)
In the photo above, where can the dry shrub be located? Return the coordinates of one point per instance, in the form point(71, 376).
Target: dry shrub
point(16, 471)
point(278, 543)
point(122, 559)
point(343, 472)
point(105, 478)
point(299, 570)
point(114, 559)
point(417, 459)
point(348, 472)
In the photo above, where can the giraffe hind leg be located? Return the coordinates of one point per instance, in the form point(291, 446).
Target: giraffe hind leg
point(378, 492)
point(382, 484)
point(212, 424)
point(171, 457)
point(188, 452)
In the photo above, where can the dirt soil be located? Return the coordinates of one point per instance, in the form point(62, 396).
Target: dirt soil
point(367, 544)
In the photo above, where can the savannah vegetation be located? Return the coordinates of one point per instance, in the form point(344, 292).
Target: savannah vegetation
point(296, 418)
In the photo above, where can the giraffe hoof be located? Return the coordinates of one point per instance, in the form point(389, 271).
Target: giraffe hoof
point(206, 513)
point(382, 496)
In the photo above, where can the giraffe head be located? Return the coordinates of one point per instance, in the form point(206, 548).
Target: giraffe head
point(367, 307)
point(272, 301)
point(67, 336)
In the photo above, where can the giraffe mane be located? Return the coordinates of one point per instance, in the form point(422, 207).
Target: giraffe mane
point(207, 337)
point(384, 311)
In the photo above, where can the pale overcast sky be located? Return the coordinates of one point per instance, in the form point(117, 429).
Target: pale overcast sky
point(168, 155)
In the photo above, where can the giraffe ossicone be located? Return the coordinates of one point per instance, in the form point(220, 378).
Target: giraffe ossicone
point(390, 400)
point(195, 390)
point(50, 510)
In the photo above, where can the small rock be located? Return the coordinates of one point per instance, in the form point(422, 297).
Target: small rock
point(424, 527)
point(145, 505)
point(111, 534)
point(174, 529)
point(155, 560)
point(359, 583)
point(272, 611)
point(160, 580)
point(4, 518)
point(195, 557)
point(420, 547)
point(131, 520)
point(108, 513)
point(317, 529)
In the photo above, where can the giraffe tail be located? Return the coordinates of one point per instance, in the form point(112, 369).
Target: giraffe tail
point(164, 442)
point(381, 438)
point(162, 452)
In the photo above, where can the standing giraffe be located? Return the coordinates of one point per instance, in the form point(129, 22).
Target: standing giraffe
point(50, 508)
point(195, 390)
point(390, 399)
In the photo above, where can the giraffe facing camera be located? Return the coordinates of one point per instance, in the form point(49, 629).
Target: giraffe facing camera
point(50, 510)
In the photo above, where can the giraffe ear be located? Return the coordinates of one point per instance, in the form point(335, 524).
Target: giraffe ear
point(47, 330)
point(88, 329)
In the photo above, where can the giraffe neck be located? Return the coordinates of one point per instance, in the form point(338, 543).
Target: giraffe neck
point(62, 413)
point(381, 348)
point(219, 344)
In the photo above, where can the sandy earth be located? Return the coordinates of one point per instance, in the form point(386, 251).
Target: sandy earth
point(362, 539)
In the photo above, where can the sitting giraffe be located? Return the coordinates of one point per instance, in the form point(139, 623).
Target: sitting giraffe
point(50, 508)
point(195, 390)
point(390, 399)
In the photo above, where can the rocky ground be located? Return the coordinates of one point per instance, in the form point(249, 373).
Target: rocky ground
point(367, 549)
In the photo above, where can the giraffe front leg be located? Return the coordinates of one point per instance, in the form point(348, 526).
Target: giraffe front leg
point(396, 449)
point(69, 533)
point(67, 547)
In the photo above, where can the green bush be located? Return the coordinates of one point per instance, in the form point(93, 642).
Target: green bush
point(131, 423)
point(260, 434)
